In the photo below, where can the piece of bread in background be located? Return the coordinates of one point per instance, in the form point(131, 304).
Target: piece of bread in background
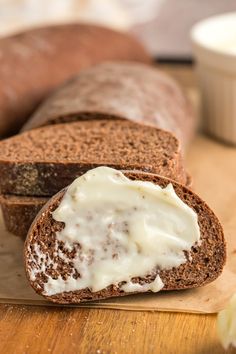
point(120, 90)
point(34, 62)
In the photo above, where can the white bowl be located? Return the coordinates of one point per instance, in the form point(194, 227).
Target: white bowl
point(214, 46)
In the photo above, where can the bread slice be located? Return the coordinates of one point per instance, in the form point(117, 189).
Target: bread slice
point(19, 212)
point(204, 262)
point(36, 61)
point(43, 161)
point(120, 90)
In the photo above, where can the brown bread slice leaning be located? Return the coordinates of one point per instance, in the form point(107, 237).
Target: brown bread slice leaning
point(34, 62)
point(122, 90)
point(43, 161)
point(205, 261)
point(18, 212)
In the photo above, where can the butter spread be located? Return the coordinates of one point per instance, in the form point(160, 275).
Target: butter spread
point(226, 324)
point(125, 229)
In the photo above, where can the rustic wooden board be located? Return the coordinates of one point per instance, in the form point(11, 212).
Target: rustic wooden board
point(49, 330)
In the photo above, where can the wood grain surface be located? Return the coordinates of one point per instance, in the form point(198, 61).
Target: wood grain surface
point(32, 330)
point(48, 330)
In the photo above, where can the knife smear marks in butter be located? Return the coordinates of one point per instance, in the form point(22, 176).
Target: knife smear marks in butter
point(125, 229)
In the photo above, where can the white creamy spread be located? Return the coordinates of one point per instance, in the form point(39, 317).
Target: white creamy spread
point(228, 46)
point(125, 229)
point(226, 324)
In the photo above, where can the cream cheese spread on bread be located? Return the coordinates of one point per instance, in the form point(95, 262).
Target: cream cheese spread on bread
point(125, 229)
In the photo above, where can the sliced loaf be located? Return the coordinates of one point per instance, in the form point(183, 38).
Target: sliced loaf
point(46, 257)
point(34, 62)
point(122, 90)
point(43, 161)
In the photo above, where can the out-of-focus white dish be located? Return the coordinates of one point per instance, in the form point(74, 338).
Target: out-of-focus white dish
point(214, 46)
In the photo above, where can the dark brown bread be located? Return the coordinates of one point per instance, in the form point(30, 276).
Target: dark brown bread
point(205, 261)
point(43, 161)
point(19, 212)
point(120, 91)
point(32, 63)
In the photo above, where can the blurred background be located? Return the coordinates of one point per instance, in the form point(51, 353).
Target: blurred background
point(163, 25)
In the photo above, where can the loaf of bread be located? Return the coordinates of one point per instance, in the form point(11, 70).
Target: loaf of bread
point(42, 161)
point(34, 62)
point(55, 261)
point(122, 90)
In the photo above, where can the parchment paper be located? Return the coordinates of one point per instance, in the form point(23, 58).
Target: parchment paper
point(214, 169)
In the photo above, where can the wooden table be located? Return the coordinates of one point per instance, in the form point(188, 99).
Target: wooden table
point(53, 330)
point(29, 329)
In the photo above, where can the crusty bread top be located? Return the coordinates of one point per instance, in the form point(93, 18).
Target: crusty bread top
point(204, 263)
point(47, 159)
point(32, 63)
point(125, 90)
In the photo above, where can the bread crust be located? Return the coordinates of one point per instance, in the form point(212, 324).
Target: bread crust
point(122, 90)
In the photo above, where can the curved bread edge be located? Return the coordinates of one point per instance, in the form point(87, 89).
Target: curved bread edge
point(120, 90)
